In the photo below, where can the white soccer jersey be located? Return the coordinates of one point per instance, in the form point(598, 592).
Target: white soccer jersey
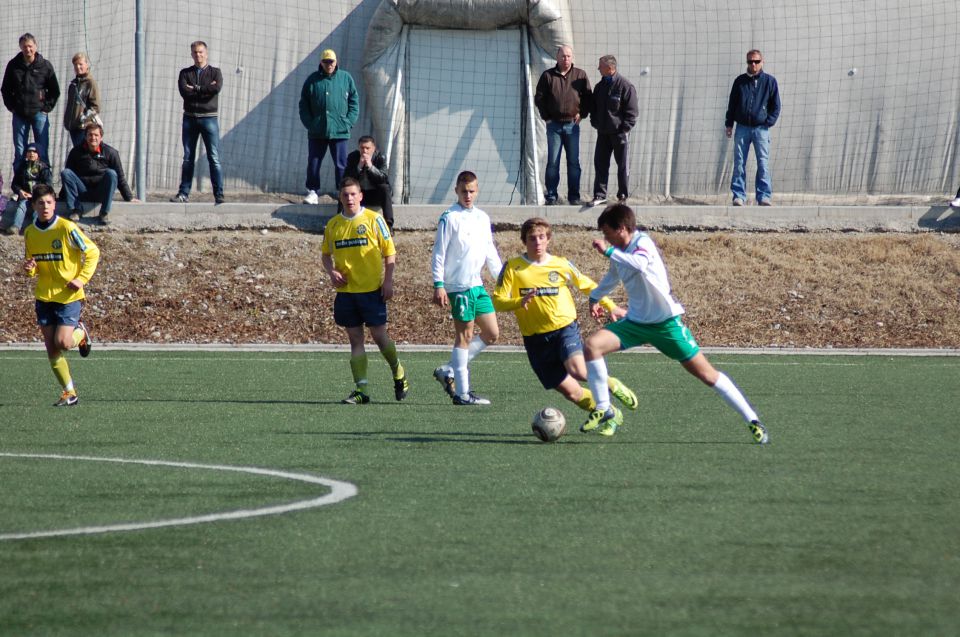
point(464, 242)
point(644, 276)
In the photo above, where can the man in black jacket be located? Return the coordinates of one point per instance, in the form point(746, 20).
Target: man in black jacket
point(369, 167)
point(94, 173)
point(614, 114)
point(30, 91)
point(199, 87)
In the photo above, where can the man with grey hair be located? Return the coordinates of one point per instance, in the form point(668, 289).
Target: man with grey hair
point(614, 114)
point(30, 91)
point(563, 98)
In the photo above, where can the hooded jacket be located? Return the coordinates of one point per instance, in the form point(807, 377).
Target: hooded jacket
point(29, 88)
point(329, 105)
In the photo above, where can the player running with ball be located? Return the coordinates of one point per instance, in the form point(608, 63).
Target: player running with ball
point(536, 287)
point(652, 318)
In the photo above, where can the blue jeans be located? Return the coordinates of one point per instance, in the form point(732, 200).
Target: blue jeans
point(78, 191)
point(21, 134)
point(759, 136)
point(77, 137)
point(21, 212)
point(563, 136)
point(193, 129)
point(316, 149)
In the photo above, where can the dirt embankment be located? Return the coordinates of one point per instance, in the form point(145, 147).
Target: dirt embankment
point(788, 290)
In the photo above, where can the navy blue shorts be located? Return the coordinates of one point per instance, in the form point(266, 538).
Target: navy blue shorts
point(547, 353)
point(50, 313)
point(355, 309)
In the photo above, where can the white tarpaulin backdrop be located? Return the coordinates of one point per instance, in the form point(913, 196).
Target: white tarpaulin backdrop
point(870, 90)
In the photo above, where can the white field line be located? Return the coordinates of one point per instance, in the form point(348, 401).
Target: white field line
point(339, 491)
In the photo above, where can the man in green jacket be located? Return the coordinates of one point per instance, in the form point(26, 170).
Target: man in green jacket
point(329, 107)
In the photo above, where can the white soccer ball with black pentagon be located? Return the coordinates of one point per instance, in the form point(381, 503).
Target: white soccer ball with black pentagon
point(548, 424)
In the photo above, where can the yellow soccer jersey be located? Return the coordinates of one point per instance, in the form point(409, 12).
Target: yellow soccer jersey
point(358, 246)
point(553, 307)
point(63, 253)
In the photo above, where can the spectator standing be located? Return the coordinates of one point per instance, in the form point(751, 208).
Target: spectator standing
point(329, 107)
point(369, 167)
point(199, 87)
point(30, 91)
point(754, 106)
point(93, 173)
point(563, 98)
point(614, 114)
point(83, 101)
point(30, 174)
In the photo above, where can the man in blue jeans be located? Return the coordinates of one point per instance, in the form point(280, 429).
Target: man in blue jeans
point(754, 106)
point(563, 98)
point(94, 173)
point(199, 87)
point(30, 91)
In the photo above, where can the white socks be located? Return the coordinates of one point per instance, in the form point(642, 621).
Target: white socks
point(597, 379)
point(729, 392)
point(461, 373)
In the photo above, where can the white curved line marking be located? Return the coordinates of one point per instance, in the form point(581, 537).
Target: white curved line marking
point(339, 491)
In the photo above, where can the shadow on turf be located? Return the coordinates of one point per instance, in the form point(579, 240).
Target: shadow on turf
point(471, 437)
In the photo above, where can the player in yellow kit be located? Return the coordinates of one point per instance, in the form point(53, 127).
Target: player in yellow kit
point(359, 256)
point(536, 287)
point(63, 260)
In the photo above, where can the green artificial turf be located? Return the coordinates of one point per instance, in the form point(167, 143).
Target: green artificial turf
point(464, 523)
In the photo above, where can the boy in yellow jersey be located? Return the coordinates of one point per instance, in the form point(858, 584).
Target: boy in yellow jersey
point(359, 256)
point(536, 287)
point(62, 259)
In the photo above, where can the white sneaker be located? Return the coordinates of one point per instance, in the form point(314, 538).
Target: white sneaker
point(955, 203)
point(311, 198)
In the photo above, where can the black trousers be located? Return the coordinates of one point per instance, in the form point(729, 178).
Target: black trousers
point(380, 196)
point(615, 144)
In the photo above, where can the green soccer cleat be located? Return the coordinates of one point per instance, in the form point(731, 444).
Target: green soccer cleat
point(603, 421)
point(401, 387)
point(67, 399)
point(759, 432)
point(624, 394)
point(356, 398)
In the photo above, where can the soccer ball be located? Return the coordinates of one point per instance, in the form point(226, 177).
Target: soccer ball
point(548, 424)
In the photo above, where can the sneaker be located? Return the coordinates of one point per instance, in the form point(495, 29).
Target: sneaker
point(955, 203)
point(400, 387)
point(178, 198)
point(764, 202)
point(9, 230)
point(621, 199)
point(575, 201)
point(737, 203)
point(601, 419)
point(624, 394)
point(218, 201)
point(470, 399)
point(597, 200)
point(312, 198)
point(550, 202)
point(105, 220)
point(446, 380)
point(759, 432)
point(356, 398)
point(86, 344)
point(76, 214)
point(67, 399)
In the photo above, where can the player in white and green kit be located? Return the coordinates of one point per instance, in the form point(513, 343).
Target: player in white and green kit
point(463, 245)
point(652, 317)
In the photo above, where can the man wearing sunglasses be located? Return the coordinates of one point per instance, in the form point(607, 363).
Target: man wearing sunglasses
point(754, 106)
point(329, 107)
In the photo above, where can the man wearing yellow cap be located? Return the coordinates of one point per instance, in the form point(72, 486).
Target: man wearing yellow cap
point(329, 107)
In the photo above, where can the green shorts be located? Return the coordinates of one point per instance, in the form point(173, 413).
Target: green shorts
point(670, 337)
point(467, 305)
